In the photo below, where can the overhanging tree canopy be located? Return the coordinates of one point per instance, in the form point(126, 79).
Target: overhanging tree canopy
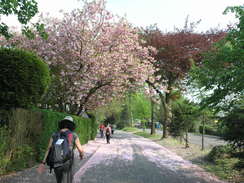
point(222, 70)
point(176, 52)
point(25, 10)
point(95, 57)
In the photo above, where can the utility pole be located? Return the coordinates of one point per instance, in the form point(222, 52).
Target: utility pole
point(203, 131)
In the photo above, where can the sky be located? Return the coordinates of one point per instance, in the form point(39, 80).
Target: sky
point(167, 14)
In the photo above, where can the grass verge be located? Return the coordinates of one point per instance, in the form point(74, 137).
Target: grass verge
point(224, 168)
point(131, 129)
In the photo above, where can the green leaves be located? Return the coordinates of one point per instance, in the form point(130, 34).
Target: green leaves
point(20, 86)
point(5, 31)
point(222, 70)
point(27, 32)
point(41, 30)
point(184, 116)
point(24, 10)
point(234, 125)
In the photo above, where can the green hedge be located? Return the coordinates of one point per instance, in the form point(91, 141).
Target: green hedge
point(24, 78)
point(26, 133)
point(85, 128)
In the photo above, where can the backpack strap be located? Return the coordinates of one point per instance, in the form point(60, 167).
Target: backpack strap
point(70, 138)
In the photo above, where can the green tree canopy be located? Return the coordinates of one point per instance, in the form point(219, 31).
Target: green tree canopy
point(222, 70)
point(140, 106)
point(24, 10)
point(185, 115)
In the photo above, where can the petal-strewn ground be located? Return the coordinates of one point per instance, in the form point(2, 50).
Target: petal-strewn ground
point(127, 159)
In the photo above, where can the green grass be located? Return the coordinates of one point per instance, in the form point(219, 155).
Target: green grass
point(223, 168)
point(147, 135)
point(131, 129)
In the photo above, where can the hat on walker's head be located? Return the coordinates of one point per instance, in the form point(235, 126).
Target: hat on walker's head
point(67, 122)
point(69, 118)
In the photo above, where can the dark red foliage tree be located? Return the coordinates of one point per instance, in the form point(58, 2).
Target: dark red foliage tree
point(176, 52)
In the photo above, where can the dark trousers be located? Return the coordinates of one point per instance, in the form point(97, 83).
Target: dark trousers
point(64, 174)
point(108, 138)
point(101, 133)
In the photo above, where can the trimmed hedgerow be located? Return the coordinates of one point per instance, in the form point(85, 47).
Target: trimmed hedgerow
point(26, 133)
point(24, 78)
point(85, 128)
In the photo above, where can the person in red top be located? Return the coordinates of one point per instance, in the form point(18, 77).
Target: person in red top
point(108, 132)
point(101, 129)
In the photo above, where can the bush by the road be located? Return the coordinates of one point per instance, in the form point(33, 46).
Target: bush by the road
point(234, 126)
point(24, 78)
point(25, 135)
point(226, 162)
point(219, 152)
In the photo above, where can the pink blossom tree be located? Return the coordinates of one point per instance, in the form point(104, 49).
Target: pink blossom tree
point(94, 56)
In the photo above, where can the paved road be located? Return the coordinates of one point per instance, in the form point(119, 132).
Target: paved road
point(209, 140)
point(128, 159)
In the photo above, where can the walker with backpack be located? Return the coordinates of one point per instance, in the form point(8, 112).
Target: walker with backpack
point(60, 151)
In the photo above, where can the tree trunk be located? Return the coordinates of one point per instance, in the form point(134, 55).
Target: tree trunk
point(187, 140)
point(165, 99)
point(167, 115)
point(162, 116)
point(152, 118)
point(181, 138)
point(166, 103)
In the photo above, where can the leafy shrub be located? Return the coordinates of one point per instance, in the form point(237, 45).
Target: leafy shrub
point(23, 156)
point(240, 164)
point(184, 117)
point(24, 77)
point(219, 152)
point(234, 126)
point(4, 160)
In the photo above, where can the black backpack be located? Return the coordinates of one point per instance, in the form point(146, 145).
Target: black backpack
point(61, 150)
point(107, 131)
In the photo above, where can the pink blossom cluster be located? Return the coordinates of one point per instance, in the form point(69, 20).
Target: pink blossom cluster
point(95, 56)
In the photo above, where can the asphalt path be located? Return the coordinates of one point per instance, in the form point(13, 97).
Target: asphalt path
point(209, 140)
point(127, 159)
